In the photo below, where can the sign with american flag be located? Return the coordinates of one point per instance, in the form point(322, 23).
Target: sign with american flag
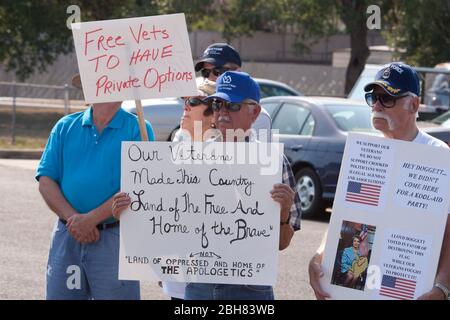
point(397, 288)
point(394, 197)
point(364, 193)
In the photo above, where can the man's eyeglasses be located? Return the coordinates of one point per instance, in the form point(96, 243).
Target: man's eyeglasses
point(194, 102)
point(386, 100)
point(229, 106)
point(215, 71)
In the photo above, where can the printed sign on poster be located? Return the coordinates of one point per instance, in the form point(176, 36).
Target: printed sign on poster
point(388, 220)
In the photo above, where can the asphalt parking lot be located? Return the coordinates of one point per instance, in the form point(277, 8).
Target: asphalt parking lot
point(25, 229)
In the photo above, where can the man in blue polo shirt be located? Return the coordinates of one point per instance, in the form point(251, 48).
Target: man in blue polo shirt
point(78, 175)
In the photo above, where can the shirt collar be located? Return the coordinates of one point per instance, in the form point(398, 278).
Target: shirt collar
point(87, 117)
point(115, 123)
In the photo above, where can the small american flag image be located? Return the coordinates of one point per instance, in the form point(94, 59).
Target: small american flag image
point(397, 288)
point(363, 193)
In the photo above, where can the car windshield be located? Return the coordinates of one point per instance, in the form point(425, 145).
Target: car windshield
point(351, 118)
point(443, 120)
point(368, 75)
point(273, 90)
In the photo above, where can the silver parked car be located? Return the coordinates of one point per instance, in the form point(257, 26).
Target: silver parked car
point(165, 114)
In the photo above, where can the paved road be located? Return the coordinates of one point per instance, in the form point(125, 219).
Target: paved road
point(26, 224)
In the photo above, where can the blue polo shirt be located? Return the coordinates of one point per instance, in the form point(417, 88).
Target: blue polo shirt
point(85, 164)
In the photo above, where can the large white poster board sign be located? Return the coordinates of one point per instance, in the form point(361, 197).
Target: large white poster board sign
point(134, 59)
point(200, 213)
point(394, 196)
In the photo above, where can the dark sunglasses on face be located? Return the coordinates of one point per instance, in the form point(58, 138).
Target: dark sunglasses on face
point(229, 106)
point(215, 71)
point(386, 100)
point(194, 102)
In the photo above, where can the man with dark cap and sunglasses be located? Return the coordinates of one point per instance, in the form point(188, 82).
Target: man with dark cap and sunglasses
point(394, 99)
point(236, 106)
point(219, 58)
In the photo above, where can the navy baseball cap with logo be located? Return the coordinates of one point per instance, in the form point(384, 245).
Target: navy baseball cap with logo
point(235, 86)
point(396, 79)
point(219, 54)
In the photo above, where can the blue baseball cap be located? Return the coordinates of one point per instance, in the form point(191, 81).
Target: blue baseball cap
point(235, 86)
point(219, 54)
point(396, 79)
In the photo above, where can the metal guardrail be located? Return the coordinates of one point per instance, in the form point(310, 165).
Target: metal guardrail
point(41, 103)
point(15, 101)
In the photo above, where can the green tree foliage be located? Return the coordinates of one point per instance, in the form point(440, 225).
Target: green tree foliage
point(420, 29)
point(307, 19)
point(34, 33)
point(200, 14)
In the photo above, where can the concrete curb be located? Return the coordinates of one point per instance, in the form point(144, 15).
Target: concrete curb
point(34, 154)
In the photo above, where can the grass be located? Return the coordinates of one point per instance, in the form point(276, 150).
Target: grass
point(33, 126)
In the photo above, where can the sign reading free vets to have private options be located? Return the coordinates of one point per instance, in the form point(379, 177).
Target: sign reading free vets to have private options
point(134, 59)
point(200, 213)
point(394, 196)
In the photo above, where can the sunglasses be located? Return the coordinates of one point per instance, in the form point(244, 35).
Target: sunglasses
point(386, 100)
point(215, 71)
point(229, 106)
point(194, 102)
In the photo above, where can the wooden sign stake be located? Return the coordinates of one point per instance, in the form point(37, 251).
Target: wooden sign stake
point(142, 126)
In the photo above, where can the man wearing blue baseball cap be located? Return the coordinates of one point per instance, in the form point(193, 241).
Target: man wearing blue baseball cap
point(236, 106)
point(394, 99)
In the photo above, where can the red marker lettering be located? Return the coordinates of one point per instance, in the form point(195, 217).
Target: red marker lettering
point(97, 59)
point(139, 34)
point(167, 51)
point(147, 83)
point(86, 42)
point(118, 38)
point(100, 83)
point(154, 32)
point(109, 65)
point(148, 35)
point(110, 86)
point(100, 43)
point(148, 54)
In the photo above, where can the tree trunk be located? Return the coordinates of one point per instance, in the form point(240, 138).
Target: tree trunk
point(353, 14)
point(358, 57)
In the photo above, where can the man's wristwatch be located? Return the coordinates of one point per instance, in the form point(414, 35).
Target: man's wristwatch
point(444, 289)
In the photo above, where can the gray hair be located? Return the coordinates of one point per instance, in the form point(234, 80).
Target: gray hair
point(251, 107)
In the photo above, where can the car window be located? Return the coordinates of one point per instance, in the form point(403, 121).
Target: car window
point(368, 75)
point(308, 128)
point(268, 90)
point(270, 107)
point(351, 117)
point(438, 95)
point(290, 119)
point(443, 118)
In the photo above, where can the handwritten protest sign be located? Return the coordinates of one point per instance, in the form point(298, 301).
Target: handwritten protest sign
point(200, 213)
point(134, 59)
point(388, 221)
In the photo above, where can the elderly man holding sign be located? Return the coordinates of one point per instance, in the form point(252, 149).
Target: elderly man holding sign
point(394, 99)
point(78, 174)
point(236, 106)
